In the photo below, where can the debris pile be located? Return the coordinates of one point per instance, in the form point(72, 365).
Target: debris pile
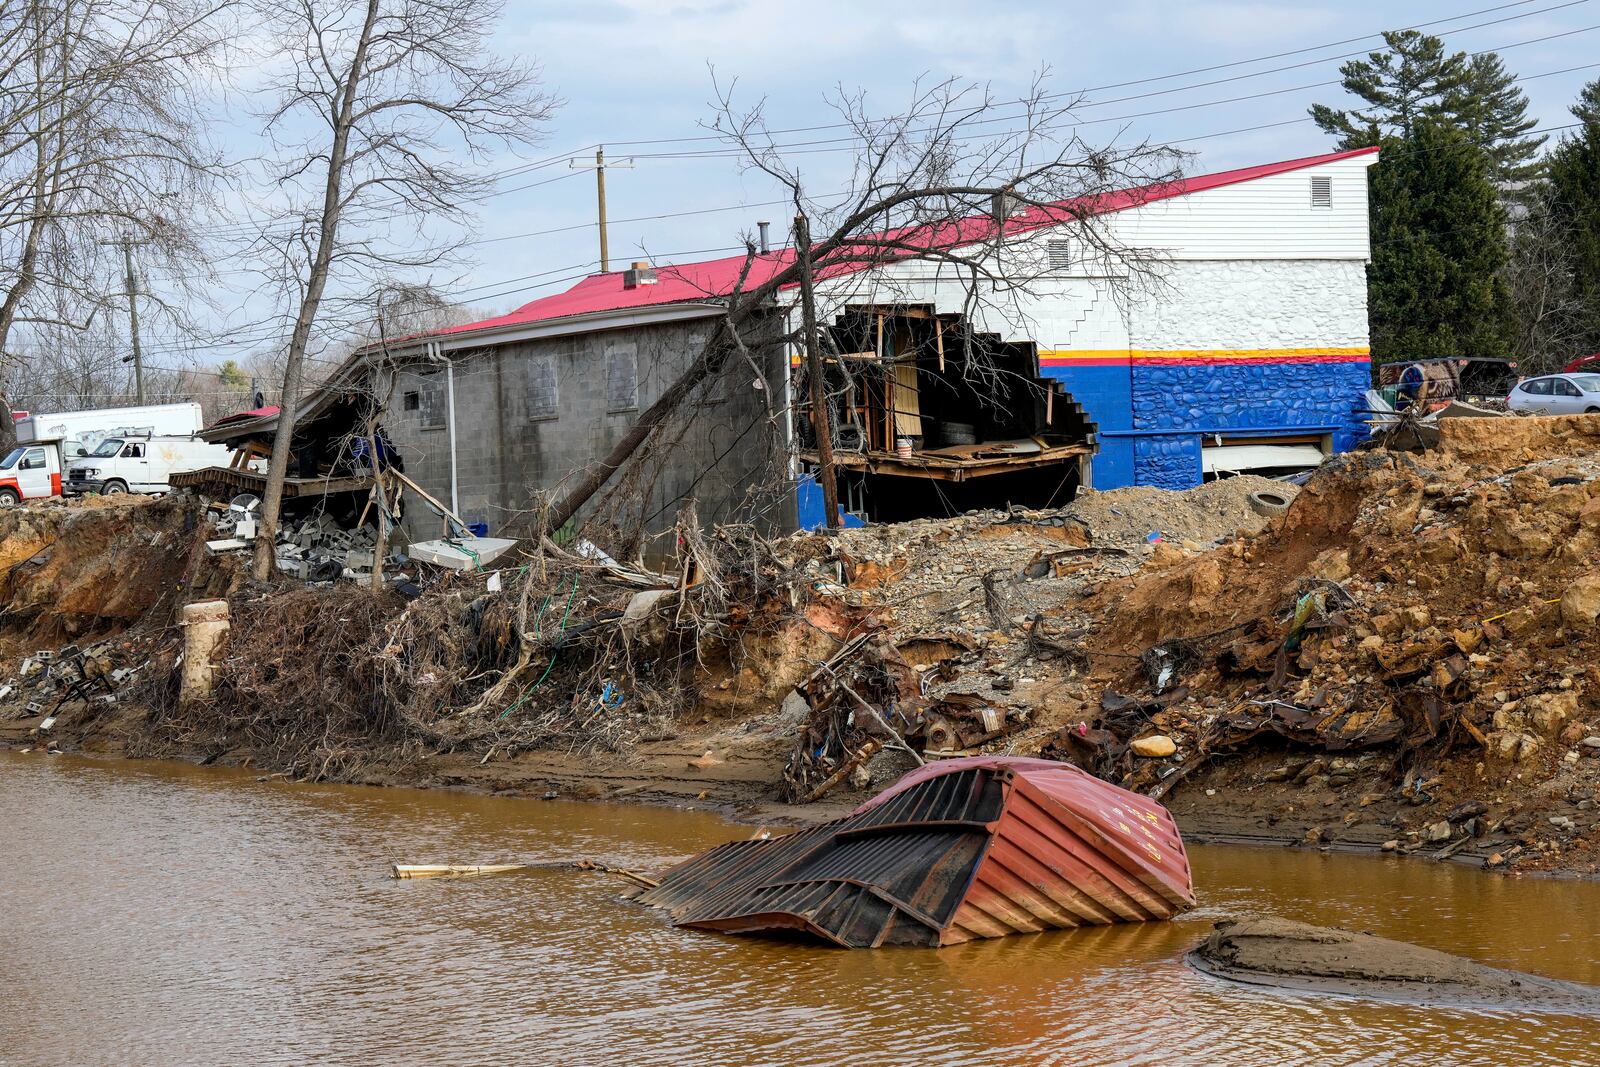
point(1421, 629)
point(52, 682)
point(310, 548)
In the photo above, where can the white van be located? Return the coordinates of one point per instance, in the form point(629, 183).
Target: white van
point(130, 464)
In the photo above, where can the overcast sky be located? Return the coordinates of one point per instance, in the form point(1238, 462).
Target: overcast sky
point(638, 70)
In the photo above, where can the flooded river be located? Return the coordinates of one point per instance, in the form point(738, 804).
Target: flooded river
point(153, 913)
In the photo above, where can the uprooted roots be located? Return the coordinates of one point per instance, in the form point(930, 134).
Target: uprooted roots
point(565, 653)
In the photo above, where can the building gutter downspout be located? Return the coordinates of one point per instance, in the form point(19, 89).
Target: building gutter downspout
point(450, 419)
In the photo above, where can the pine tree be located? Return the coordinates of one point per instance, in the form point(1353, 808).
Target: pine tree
point(1438, 247)
point(1493, 111)
point(1574, 201)
point(1413, 80)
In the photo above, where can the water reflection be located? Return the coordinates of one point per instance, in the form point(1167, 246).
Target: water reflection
point(156, 913)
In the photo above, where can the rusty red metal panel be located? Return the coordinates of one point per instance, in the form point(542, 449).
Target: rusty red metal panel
point(966, 848)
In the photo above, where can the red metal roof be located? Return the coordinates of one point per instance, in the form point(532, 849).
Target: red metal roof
point(711, 278)
point(958, 849)
point(253, 413)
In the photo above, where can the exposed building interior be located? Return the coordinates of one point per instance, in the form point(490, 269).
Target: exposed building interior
point(930, 417)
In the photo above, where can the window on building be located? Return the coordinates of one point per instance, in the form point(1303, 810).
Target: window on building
point(1321, 190)
point(543, 401)
point(622, 378)
point(430, 402)
point(413, 401)
point(1059, 254)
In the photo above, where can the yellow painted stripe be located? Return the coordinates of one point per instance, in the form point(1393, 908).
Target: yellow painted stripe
point(1200, 353)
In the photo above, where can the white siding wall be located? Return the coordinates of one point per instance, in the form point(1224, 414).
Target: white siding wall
point(1249, 265)
point(1267, 218)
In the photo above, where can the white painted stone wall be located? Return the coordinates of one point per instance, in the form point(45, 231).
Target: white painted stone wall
point(1255, 304)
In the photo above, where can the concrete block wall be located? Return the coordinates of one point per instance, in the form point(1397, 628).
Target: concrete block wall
point(505, 455)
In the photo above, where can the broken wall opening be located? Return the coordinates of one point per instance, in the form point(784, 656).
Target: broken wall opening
point(931, 416)
point(894, 498)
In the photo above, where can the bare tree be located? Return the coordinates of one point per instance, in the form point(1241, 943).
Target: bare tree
point(402, 100)
point(1547, 310)
point(948, 184)
point(100, 140)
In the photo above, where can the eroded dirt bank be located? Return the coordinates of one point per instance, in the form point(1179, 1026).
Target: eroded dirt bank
point(1405, 660)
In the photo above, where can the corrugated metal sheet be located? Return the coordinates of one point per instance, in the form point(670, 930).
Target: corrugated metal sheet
point(956, 850)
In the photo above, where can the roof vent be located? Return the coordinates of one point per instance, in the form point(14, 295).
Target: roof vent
point(637, 275)
point(1321, 191)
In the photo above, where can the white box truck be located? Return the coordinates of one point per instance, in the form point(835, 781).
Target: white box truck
point(35, 468)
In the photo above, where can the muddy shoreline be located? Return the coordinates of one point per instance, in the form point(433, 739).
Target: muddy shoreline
point(742, 787)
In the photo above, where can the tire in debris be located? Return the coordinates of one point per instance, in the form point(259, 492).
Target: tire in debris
point(112, 489)
point(1268, 503)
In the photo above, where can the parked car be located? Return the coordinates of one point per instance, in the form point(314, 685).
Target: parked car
point(1557, 394)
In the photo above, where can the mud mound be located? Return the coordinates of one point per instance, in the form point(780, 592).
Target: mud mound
point(1296, 955)
point(1209, 512)
point(1231, 585)
point(1504, 443)
point(67, 569)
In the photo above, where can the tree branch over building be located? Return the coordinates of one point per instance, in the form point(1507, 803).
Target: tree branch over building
point(381, 114)
point(948, 183)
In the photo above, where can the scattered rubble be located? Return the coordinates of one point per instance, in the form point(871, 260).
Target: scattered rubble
point(1403, 659)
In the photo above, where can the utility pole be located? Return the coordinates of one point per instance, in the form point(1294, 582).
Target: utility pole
point(127, 243)
point(819, 393)
point(599, 166)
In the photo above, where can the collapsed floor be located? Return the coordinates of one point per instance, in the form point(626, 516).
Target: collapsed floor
point(1404, 659)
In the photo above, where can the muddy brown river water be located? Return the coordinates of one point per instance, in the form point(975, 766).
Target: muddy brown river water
point(158, 913)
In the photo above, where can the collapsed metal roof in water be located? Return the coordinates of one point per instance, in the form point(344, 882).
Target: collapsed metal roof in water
point(956, 850)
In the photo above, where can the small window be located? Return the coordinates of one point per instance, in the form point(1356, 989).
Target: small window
point(412, 401)
point(1321, 190)
point(1564, 387)
point(1537, 387)
point(1059, 254)
point(430, 402)
point(134, 451)
point(622, 379)
point(543, 400)
point(34, 460)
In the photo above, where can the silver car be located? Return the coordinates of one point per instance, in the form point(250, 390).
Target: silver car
point(1557, 394)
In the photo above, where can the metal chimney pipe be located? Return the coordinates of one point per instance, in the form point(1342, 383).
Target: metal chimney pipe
point(762, 226)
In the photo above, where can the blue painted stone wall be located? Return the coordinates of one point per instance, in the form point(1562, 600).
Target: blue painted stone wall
point(1239, 396)
point(1151, 415)
point(1168, 460)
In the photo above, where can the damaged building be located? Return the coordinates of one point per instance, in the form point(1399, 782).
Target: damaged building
point(1230, 335)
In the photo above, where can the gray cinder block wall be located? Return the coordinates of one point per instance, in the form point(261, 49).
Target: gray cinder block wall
point(514, 438)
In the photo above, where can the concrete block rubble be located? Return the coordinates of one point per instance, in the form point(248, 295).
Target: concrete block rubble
point(48, 682)
point(313, 547)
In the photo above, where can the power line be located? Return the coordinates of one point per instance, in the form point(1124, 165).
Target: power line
point(245, 229)
point(1204, 70)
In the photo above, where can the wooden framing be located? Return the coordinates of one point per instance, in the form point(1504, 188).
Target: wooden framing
point(951, 468)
